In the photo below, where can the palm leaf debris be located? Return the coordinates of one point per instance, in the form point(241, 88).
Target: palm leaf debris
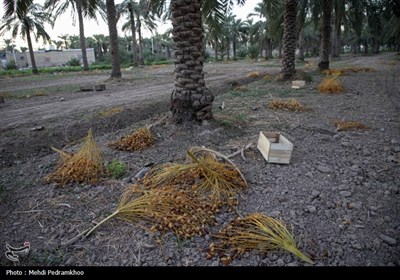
point(254, 74)
point(205, 175)
point(86, 166)
point(165, 208)
point(254, 232)
point(141, 139)
point(331, 85)
point(348, 125)
point(287, 105)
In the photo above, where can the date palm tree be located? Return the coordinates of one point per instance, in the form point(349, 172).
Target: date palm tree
point(191, 99)
point(289, 40)
point(82, 8)
point(113, 33)
point(326, 34)
point(26, 23)
point(127, 7)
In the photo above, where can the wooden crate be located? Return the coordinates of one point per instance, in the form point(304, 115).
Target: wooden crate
point(298, 84)
point(274, 147)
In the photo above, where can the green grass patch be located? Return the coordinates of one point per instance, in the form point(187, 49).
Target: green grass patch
point(117, 168)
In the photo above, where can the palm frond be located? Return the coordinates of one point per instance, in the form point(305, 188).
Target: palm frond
point(84, 166)
point(254, 232)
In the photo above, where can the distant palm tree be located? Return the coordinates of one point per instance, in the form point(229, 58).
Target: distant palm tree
point(138, 14)
point(65, 39)
point(83, 8)
point(100, 41)
point(112, 29)
point(273, 12)
point(236, 29)
point(31, 21)
point(289, 40)
point(326, 34)
point(127, 7)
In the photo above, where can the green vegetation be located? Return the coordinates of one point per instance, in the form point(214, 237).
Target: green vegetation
point(117, 168)
point(74, 62)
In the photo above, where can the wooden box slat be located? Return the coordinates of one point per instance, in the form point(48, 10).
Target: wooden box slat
point(274, 147)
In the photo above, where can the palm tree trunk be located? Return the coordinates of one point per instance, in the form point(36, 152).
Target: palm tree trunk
point(301, 44)
point(82, 39)
point(141, 56)
point(326, 34)
point(133, 29)
point(190, 100)
point(31, 54)
point(112, 29)
point(234, 48)
point(289, 40)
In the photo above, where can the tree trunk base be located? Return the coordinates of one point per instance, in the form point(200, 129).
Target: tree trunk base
point(323, 65)
point(191, 105)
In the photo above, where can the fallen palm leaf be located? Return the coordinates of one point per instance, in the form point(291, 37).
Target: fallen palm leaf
point(348, 125)
point(254, 232)
point(111, 112)
point(359, 69)
point(254, 74)
point(165, 209)
point(331, 85)
point(334, 72)
point(85, 166)
point(205, 175)
point(289, 105)
point(142, 138)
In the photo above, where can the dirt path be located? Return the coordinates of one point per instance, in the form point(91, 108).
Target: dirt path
point(140, 93)
point(128, 92)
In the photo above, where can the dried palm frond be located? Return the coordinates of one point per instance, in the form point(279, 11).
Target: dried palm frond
point(331, 85)
point(165, 209)
point(86, 166)
point(348, 125)
point(254, 232)
point(205, 175)
point(142, 138)
point(360, 69)
point(254, 74)
point(334, 72)
point(289, 105)
point(111, 111)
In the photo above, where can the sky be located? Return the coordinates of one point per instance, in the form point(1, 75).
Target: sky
point(64, 25)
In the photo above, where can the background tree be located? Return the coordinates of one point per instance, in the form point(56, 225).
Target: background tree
point(83, 8)
point(112, 29)
point(26, 24)
point(289, 40)
point(326, 34)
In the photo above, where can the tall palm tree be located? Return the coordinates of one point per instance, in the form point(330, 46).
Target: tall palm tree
point(236, 30)
point(289, 40)
point(326, 34)
point(127, 6)
point(191, 99)
point(99, 41)
point(16, 7)
point(273, 12)
point(83, 8)
point(301, 20)
point(112, 29)
point(339, 13)
point(31, 21)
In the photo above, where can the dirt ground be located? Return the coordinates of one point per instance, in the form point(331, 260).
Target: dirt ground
point(340, 193)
